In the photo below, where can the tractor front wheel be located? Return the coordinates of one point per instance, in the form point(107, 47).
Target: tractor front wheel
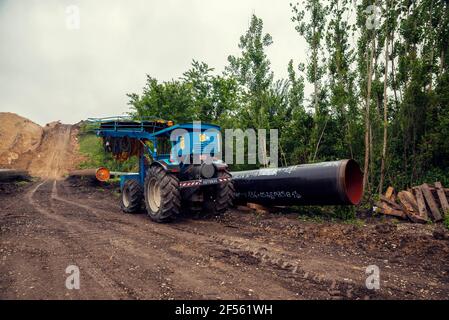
point(132, 196)
point(162, 196)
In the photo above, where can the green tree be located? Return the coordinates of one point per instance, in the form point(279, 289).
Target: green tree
point(380, 90)
point(342, 100)
point(311, 26)
point(171, 100)
point(252, 71)
point(294, 138)
point(215, 97)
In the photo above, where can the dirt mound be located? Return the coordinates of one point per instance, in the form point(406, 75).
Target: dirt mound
point(56, 155)
point(48, 152)
point(18, 135)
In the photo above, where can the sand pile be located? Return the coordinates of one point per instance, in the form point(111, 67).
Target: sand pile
point(18, 135)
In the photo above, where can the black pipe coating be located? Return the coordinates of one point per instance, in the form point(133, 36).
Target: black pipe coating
point(326, 183)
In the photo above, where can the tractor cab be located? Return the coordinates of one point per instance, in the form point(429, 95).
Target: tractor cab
point(195, 149)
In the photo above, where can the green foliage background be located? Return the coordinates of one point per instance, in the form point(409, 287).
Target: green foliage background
point(331, 122)
point(91, 147)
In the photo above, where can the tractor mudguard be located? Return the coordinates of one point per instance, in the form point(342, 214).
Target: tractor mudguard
point(174, 168)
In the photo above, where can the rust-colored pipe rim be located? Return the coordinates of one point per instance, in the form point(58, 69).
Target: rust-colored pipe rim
point(351, 179)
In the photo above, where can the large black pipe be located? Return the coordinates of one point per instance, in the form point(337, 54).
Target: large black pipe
point(326, 183)
point(9, 175)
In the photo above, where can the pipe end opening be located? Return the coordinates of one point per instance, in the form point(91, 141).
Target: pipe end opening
point(353, 182)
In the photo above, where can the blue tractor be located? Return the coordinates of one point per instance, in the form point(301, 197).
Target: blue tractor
point(179, 166)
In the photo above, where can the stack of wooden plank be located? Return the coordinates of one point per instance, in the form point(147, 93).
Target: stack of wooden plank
point(420, 204)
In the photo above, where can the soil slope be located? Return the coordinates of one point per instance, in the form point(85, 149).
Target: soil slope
point(18, 135)
point(48, 152)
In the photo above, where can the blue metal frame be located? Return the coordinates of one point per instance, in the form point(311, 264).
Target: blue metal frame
point(119, 130)
point(129, 176)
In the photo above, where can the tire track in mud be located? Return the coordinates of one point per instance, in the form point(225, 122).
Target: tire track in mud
point(75, 246)
point(131, 257)
point(341, 277)
point(179, 254)
point(344, 275)
point(276, 253)
point(270, 260)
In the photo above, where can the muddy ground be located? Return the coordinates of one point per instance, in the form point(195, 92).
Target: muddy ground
point(48, 225)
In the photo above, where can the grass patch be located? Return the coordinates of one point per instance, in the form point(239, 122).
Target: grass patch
point(355, 222)
point(446, 220)
point(91, 147)
point(319, 214)
point(22, 183)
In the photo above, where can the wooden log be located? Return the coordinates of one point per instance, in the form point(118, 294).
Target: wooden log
point(421, 203)
point(391, 203)
point(91, 173)
point(258, 208)
point(8, 175)
point(442, 197)
point(408, 208)
point(432, 188)
point(83, 173)
point(431, 203)
point(434, 191)
point(389, 193)
point(384, 208)
point(411, 200)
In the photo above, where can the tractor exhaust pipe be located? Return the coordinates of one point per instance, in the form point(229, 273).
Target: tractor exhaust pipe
point(326, 183)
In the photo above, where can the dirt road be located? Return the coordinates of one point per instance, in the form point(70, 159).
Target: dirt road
point(49, 225)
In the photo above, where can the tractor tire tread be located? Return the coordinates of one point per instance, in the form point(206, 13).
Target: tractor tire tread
point(135, 193)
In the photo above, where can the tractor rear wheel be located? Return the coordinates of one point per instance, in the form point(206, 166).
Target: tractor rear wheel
point(162, 195)
point(132, 196)
point(220, 197)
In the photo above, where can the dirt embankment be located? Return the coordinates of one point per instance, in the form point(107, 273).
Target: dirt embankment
point(17, 136)
point(48, 152)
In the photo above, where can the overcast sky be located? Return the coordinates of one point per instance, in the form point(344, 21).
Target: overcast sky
point(49, 70)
